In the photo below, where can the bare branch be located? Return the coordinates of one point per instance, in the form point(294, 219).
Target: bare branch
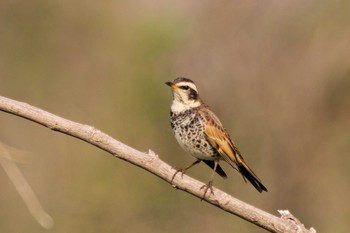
point(24, 189)
point(151, 162)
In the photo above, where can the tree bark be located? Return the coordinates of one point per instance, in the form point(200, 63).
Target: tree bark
point(152, 163)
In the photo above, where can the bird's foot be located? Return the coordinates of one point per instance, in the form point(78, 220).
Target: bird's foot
point(182, 171)
point(207, 187)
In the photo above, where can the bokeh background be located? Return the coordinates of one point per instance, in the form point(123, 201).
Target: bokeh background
point(276, 72)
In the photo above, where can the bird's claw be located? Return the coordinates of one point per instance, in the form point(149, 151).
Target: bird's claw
point(207, 187)
point(177, 171)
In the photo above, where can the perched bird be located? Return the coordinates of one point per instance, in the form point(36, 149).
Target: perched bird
point(200, 133)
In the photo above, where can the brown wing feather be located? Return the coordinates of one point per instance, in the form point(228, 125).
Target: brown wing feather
point(221, 141)
point(219, 138)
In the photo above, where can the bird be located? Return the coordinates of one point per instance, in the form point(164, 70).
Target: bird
point(201, 134)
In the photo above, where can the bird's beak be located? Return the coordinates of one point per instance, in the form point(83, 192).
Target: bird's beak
point(172, 85)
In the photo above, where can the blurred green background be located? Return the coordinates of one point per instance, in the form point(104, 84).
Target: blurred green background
point(276, 72)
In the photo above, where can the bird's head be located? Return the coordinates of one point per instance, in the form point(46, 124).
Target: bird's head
point(185, 94)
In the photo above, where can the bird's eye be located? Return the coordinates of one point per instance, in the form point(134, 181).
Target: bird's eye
point(185, 87)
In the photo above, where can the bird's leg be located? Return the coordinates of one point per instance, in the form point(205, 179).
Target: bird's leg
point(183, 171)
point(209, 185)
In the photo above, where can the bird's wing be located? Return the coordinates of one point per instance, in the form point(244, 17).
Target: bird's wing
point(220, 139)
point(221, 143)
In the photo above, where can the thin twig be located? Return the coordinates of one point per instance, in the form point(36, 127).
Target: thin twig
point(24, 189)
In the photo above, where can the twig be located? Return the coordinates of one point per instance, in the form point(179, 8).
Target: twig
point(24, 189)
point(150, 162)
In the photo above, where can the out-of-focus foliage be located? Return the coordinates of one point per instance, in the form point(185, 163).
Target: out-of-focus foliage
point(276, 72)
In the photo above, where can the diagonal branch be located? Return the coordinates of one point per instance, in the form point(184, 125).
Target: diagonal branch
point(151, 162)
point(23, 188)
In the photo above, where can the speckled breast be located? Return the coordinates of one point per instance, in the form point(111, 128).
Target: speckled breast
point(189, 129)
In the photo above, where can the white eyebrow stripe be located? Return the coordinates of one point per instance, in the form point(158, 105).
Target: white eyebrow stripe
point(191, 85)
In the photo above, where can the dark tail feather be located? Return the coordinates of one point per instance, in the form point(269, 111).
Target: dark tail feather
point(219, 170)
point(251, 177)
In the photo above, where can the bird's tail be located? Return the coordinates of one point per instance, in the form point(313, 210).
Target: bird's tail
point(248, 174)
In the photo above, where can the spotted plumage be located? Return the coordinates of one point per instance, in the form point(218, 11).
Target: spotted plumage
point(189, 132)
point(199, 132)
